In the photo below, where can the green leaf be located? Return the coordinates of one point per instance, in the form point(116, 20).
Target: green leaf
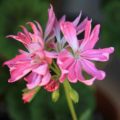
point(86, 115)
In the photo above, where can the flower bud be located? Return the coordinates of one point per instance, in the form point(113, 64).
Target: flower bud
point(55, 96)
point(74, 95)
point(28, 95)
point(52, 86)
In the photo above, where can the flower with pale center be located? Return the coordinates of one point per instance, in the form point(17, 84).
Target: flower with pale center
point(33, 65)
point(78, 58)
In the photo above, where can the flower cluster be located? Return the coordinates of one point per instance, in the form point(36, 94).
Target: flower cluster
point(57, 54)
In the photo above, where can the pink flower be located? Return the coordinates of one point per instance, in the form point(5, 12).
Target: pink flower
point(33, 64)
point(60, 44)
point(76, 59)
point(52, 86)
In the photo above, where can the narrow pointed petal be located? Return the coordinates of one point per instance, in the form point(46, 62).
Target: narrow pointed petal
point(50, 23)
point(34, 28)
point(87, 29)
point(98, 54)
point(77, 20)
point(90, 68)
point(81, 27)
point(69, 32)
point(21, 38)
point(94, 37)
point(86, 39)
point(40, 28)
point(26, 33)
point(90, 40)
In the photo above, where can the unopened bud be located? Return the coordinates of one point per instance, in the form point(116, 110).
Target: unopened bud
point(74, 95)
point(55, 96)
point(52, 86)
point(28, 94)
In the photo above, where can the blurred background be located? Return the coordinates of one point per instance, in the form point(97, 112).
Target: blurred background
point(99, 102)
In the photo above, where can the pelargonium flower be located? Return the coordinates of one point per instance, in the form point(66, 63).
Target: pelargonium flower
point(33, 64)
point(79, 55)
point(80, 27)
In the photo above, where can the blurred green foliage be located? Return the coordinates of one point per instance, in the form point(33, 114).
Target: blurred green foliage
point(15, 13)
point(111, 25)
point(41, 108)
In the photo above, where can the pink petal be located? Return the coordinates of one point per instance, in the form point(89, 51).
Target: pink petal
point(37, 36)
point(33, 80)
point(64, 59)
point(50, 23)
point(81, 27)
point(63, 55)
point(21, 38)
point(66, 64)
point(63, 75)
point(42, 69)
point(85, 44)
point(77, 20)
point(26, 34)
point(19, 67)
point(45, 80)
point(90, 68)
point(62, 19)
point(51, 54)
point(98, 54)
point(69, 32)
point(34, 47)
point(72, 77)
point(94, 37)
point(39, 27)
point(35, 29)
point(90, 40)
point(87, 29)
point(78, 70)
point(88, 82)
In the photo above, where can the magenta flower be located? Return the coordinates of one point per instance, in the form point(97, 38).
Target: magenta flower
point(78, 56)
point(35, 62)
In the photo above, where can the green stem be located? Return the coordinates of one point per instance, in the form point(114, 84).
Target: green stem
point(70, 103)
point(55, 70)
point(67, 87)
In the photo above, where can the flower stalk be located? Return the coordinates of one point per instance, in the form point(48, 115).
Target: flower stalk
point(67, 87)
point(69, 100)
